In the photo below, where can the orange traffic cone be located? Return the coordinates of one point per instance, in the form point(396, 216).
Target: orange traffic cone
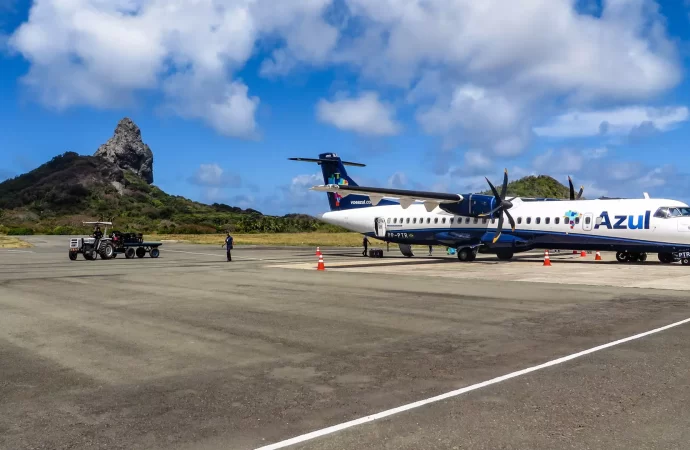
point(321, 265)
point(598, 257)
point(318, 251)
point(583, 254)
point(547, 261)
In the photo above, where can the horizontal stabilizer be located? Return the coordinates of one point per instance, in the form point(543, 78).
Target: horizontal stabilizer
point(319, 161)
point(431, 199)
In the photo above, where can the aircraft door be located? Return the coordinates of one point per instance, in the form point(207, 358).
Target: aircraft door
point(587, 220)
point(380, 227)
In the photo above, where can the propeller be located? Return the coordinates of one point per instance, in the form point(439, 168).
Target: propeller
point(572, 190)
point(503, 205)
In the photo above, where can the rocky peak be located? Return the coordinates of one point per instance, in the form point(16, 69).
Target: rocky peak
point(127, 151)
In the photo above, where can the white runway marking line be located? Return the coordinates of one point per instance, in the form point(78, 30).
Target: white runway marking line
point(219, 255)
point(15, 251)
point(390, 412)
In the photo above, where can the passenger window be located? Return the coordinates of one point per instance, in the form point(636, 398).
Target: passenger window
point(476, 220)
point(443, 220)
point(451, 221)
point(484, 220)
point(577, 220)
point(395, 220)
point(557, 220)
point(401, 221)
point(407, 220)
point(538, 220)
point(467, 220)
point(414, 220)
point(529, 220)
point(428, 220)
point(588, 220)
point(435, 219)
point(547, 220)
point(388, 220)
point(493, 220)
point(519, 219)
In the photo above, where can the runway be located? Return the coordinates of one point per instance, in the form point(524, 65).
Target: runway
point(188, 351)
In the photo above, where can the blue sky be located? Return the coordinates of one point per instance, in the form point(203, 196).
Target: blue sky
point(432, 94)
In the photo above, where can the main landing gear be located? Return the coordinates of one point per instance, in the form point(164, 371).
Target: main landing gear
point(631, 256)
point(467, 254)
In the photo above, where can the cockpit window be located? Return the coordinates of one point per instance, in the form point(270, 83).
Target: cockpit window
point(666, 212)
point(661, 213)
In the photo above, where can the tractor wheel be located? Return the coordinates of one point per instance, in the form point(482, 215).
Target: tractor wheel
point(129, 253)
point(73, 256)
point(90, 255)
point(141, 252)
point(154, 253)
point(107, 252)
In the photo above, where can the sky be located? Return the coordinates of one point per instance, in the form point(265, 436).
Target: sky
point(429, 94)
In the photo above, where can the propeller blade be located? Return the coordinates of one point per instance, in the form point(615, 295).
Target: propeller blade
point(498, 229)
point(511, 220)
point(505, 184)
point(572, 188)
point(579, 194)
point(493, 189)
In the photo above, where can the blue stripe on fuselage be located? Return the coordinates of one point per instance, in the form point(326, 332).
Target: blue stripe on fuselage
point(534, 238)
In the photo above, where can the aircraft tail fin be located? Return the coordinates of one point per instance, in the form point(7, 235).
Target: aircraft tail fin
point(334, 172)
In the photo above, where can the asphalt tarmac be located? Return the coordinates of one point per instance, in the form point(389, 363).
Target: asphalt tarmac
point(188, 351)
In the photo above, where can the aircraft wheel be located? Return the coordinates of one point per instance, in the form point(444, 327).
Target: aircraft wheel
point(622, 256)
point(685, 261)
point(464, 254)
point(473, 255)
point(665, 258)
point(504, 255)
point(642, 257)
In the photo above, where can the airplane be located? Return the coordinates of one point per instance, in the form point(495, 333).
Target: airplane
point(473, 223)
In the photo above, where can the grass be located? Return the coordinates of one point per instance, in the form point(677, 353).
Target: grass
point(312, 239)
point(13, 242)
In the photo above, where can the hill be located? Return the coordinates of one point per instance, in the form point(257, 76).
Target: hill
point(535, 186)
point(116, 184)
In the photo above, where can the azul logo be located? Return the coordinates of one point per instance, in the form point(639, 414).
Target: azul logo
point(623, 222)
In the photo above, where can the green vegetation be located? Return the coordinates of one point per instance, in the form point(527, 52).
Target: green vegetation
point(58, 196)
point(531, 186)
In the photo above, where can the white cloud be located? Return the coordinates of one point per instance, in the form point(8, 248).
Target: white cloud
point(553, 47)
point(482, 75)
point(479, 117)
point(102, 53)
point(398, 181)
point(212, 175)
point(617, 121)
point(365, 114)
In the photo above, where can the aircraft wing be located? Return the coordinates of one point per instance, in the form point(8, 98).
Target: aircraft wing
point(431, 199)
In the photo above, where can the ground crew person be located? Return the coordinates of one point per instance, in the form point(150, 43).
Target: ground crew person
point(228, 246)
point(365, 243)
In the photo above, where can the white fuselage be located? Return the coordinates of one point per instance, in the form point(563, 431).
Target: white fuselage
point(614, 221)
